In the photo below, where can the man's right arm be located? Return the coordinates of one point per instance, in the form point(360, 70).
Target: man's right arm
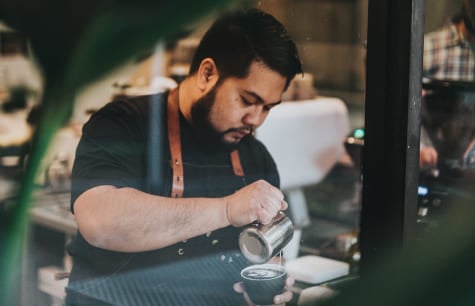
point(129, 220)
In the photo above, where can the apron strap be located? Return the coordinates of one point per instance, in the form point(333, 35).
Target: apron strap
point(173, 120)
point(176, 163)
point(236, 162)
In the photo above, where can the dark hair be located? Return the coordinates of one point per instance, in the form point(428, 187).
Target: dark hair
point(238, 38)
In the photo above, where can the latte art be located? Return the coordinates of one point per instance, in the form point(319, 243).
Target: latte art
point(261, 273)
point(263, 282)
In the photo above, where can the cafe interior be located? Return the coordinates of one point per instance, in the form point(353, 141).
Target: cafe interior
point(371, 225)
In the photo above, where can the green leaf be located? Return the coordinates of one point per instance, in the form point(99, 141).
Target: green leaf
point(111, 34)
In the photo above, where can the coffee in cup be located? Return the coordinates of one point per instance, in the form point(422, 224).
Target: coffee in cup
point(263, 282)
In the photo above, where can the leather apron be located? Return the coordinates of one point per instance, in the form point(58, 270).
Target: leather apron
point(176, 162)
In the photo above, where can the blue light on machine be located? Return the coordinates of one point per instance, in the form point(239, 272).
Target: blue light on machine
point(359, 133)
point(422, 191)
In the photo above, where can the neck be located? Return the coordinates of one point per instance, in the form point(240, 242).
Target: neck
point(185, 98)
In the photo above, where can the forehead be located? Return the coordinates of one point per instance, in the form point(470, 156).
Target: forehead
point(263, 81)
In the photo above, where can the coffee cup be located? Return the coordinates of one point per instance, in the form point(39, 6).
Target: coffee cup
point(264, 281)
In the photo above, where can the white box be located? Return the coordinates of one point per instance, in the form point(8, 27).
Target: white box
point(316, 269)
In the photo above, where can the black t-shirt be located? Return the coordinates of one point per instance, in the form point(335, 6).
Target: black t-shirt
point(113, 150)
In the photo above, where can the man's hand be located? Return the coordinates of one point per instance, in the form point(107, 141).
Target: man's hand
point(258, 201)
point(427, 157)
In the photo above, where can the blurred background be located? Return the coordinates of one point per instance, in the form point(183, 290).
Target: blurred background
point(331, 37)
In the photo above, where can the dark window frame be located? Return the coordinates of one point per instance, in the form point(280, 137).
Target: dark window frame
point(392, 123)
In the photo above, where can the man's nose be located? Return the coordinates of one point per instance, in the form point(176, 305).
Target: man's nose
point(254, 117)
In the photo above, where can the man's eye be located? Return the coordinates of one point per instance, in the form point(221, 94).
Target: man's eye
point(268, 107)
point(247, 102)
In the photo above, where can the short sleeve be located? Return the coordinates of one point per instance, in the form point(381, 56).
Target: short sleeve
point(111, 150)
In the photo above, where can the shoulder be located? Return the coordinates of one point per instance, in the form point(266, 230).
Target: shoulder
point(133, 106)
point(122, 111)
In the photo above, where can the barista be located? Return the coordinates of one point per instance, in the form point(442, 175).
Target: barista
point(215, 177)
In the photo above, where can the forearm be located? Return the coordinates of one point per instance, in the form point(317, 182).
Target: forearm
point(128, 220)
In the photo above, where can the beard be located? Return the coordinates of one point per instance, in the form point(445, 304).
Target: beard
point(201, 122)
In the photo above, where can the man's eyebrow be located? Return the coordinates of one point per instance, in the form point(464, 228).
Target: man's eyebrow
point(259, 99)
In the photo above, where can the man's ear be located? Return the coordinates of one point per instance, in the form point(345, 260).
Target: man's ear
point(207, 74)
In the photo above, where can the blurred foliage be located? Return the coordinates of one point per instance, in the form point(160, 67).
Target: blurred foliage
point(17, 100)
point(75, 43)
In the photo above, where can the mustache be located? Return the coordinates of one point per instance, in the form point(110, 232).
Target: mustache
point(244, 129)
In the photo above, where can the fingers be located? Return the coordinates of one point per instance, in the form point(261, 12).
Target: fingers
point(286, 296)
point(238, 287)
point(284, 205)
point(267, 212)
point(259, 201)
point(271, 202)
point(272, 212)
point(427, 157)
point(283, 298)
point(265, 216)
point(289, 282)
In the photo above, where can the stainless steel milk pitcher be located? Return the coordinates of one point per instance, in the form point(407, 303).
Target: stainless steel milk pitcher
point(259, 243)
